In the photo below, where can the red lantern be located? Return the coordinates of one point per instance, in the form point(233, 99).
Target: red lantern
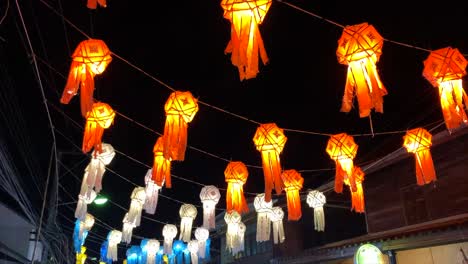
point(292, 184)
point(236, 174)
point(180, 108)
point(92, 4)
point(99, 118)
point(161, 167)
point(360, 47)
point(342, 149)
point(246, 42)
point(445, 68)
point(270, 140)
point(90, 58)
point(418, 141)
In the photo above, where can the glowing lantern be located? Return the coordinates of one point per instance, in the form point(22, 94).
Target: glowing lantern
point(92, 4)
point(152, 248)
point(133, 255)
point(292, 184)
point(138, 198)
point(201, 234)
point(246, 42)
point(95, 170)
point(236, 175)
point(270, 141)
point(209, 196)
point(232, 219)
point(152, 193)
point(445, 68)
point(113, 239)
point(192, 247)
point(161, 166)
point(276, 216)
point(357, 195)
point(180, 108)
point(187, 213)
point(240, 245)
point(360, 47)
point(81, 230)
point(90, 58)
point(418, 141)
point(342, 149)
point(100, 117)
point(169, 232)
point(263, 209)
point(127, 229)
point(82, 205)
point(81, 257)
point(317, 200)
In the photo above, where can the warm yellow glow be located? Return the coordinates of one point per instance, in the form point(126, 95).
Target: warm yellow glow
point(99, 118)
point(342, 149)
point(236, 175)
point(293, 181)
point(161, 173)
point(418, 141)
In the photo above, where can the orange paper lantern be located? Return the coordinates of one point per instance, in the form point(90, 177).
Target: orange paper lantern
point(90, 58)
point(99, 118)
point(161, 167)
point(357, 195)
point(292, 184)
point(270, 140)
point(360, 47)
point(236, 175)
point(246, 42)
point(342, 149)
point(445, 68)
point(180, 108)
point(92, 4)
point(418, 141)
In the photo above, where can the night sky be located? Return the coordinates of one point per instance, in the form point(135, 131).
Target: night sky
point(181, 43)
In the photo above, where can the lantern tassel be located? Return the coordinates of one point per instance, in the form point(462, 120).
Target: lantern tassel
point(175, 138)
point(364, 81)
point(344, 170)
point(152, 193)
point(319, 219)
point(425, 172)
point(263, 227)
point(95, 171)
point(79, 76)
point(272, 172)
point(112, 252)
point(357, 199)
point(185, 228)
point(235, 199)
point(278, 232)
point(294, 204)
point(168, 246)
point(209, 214)
point(81, 207)
point(92, 136)
point(452, 98)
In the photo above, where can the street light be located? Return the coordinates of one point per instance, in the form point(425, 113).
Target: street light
point(100, 199)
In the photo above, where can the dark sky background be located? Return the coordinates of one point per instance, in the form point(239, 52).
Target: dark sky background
point(182, 44)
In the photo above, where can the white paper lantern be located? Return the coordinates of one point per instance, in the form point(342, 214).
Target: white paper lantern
point(127, 229)
point(240, 239)
point(276, 217)
point(192, 247)
point(187, 213)
point(85, 225)
point(209, 196)
point(82, 205)
point(263, 222)
point(201, 234)
point(138, 198)
point(97, 166)
point(317, 200)
point(232, 220)
point(152, 248)
point(113, 239)
point(169, 232)
point(152, 193)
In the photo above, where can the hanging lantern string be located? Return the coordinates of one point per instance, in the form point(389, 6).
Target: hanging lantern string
point(218, 108)
point(341, 26)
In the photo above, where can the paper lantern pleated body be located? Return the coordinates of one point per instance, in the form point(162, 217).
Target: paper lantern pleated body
point(187, 213)
point(192, 247)
point(113, 239)
point(276, 216)
point(360, 47)
point(232, 219)
point(269, 139)
point(152, 193)
point(161, 166)
point(342, 149)
point(246, 42)
point(419, 141)
point(357, 195)
point(82, 205)
point(201, 234)
point(445, 68)
point(137, 198)
point(263, 209)
point(236, 175)
point(152, 248)
point(127, 229)
point(240, 245)
point(169, 232)
point(90, 58)
point(317, 200)
point(180, 108)
point(100, 117)
point(293, 182)
point(209, 196)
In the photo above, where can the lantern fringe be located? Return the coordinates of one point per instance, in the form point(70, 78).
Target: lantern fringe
point(92, 136)
point(161, 172)
point(319, 219)
point(235, 199)
point(81, 208)
point(294, 204)
point(425, 172)
point(95, 172)
point(185, 229)
point(175, 138)
point(79, 75)
point(454, 103)
point(263, 227)
point(272, 172)
point(193, 248)
point(278, 232)
point(134, 213)
point(79, 236)
point(344, 170)
point(357, 199)
point(152, 193)
point(127, 231)
point(209, 214)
